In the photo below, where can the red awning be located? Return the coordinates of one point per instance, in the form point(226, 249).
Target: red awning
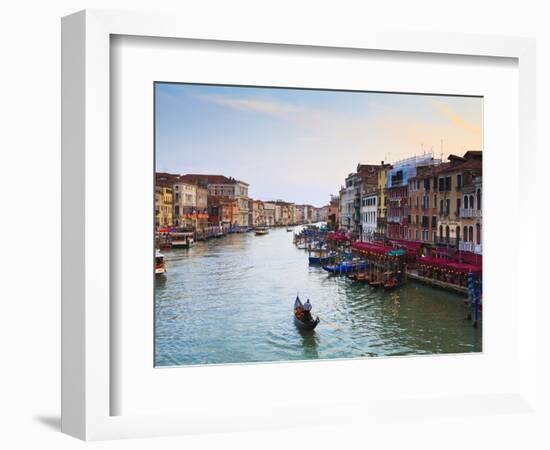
point(337, 237)
point(449, 265)
point(409, 245)
point(371, 248)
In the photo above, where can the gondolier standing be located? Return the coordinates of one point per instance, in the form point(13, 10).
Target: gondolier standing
point(307, 310)
point(302, 315)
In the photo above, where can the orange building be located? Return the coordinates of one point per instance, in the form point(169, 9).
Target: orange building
point(223, 210)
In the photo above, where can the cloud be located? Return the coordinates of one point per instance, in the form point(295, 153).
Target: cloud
point(328, 122)
point(448, 112)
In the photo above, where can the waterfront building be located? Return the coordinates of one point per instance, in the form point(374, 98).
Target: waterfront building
point(423, 206)
point(351, 214)
point(163, 206)
point(185, 204)
point(304, 213)
point(333, 213)
point(369, 213)
point(269, 213)
point(222, 186)
point(369, 182)
point(223, 210)
point(309, 213)
point(341, 208)
point(283, 214)
point(320, 214)
point(256, 215)
point(452, 178)
point(382, 200)
point(291, 214)
point(300, 214)
point(278, 213)
point(470, 213)
point(397, 192)
point(201, 208)
point(471, 216)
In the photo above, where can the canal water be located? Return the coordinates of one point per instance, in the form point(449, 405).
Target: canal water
point(230, 300)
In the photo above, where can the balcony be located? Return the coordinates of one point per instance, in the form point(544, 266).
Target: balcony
point(469, 213)
point(466, 246)
point(394, 219)
point(446, 241)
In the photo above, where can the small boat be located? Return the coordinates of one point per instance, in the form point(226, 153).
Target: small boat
point(299, 320)
point(321, 259)
point(392, 283)
point(359, 276)
point(289, 229)
point(160, 265)
point(260, 231)
point(376, 283)
point(182, 240)
point(346, 266)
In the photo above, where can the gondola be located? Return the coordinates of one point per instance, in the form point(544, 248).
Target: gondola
point(346, 267)
point(304, 325)
point(392, 283)
point(320, 259)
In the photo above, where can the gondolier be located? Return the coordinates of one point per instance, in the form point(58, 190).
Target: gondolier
point(307, 310)
point(302, 316)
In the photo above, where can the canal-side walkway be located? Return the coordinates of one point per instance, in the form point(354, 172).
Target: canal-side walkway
point(413, 275)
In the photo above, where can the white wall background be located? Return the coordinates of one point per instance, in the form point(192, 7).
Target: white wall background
point(29, 224)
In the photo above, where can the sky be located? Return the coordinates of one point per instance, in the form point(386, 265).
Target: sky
point(299, 145)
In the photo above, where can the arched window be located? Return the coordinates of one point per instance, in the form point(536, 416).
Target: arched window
point(471, 234)
point(447, 230)
point(479, 199)
point(440, 231)
point(465, 235)
point(457, 234)
point(466, 202)
point(472, 201)
point(478, 234)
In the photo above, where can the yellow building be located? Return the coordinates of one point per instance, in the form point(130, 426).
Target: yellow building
point(163, 206)
point(383, 172)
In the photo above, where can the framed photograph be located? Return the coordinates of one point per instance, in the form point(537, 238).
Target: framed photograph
point(253, 219)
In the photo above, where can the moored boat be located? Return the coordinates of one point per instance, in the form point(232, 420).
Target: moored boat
point(182, 239)
point(392, 283)
point(160, 265)
point(346, 266)
point(320, 259)
point(301, 319)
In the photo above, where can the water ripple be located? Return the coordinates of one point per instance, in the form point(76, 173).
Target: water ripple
point(230, 300)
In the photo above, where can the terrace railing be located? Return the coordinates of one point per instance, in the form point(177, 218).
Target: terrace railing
point(466, 247)
point(467, 213)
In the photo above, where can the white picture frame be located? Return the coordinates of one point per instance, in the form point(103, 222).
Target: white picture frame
point(87, 384)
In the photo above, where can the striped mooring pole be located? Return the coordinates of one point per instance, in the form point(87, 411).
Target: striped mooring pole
point(476, 302)
point(470, 295)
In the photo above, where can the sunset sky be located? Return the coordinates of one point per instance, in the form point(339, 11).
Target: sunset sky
point(299, 145)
